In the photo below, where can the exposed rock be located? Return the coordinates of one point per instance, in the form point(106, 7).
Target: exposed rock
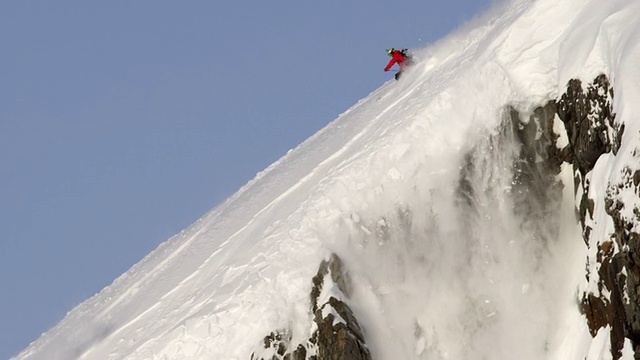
point(620, 261)
point(536, 188)
point(589, 121)
point(590, 124)
point(528, 145)
point(338, 335)
point(339, 338)
point(276, 345)
point(335, 268)
point(592, 131)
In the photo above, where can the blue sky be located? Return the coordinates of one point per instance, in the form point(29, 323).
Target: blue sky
point(122, 122)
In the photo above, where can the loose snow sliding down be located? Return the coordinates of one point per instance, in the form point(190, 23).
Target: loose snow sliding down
point(435, 277)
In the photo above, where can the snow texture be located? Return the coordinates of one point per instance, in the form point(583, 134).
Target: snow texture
point(377, 186)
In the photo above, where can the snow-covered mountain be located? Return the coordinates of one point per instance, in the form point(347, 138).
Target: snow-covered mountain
point(435, 219)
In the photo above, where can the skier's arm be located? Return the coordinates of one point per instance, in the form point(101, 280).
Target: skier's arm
point(397, 58)
point(391, 63)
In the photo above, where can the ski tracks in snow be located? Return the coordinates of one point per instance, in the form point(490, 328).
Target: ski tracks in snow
point(146, 295)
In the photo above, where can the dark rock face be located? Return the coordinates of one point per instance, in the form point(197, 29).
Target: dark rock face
point(590, 124)
point(338, 335)
point(620, 263)
point(589, 121)
point(592, 131)
point(527, 144)
point(341, 340)
point(536, 189)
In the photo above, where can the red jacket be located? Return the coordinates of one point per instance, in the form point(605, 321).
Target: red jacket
point(397, 58)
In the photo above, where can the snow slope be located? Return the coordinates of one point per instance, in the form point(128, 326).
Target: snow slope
point(444, 285)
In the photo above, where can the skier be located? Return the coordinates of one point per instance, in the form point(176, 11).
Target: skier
point(402, 58)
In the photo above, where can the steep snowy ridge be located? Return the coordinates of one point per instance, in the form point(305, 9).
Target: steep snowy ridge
point(449, 198)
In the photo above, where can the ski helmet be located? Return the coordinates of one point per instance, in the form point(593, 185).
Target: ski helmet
point(390, 51)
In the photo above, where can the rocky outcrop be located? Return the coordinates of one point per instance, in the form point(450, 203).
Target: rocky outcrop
point(536, 188)
point(589, 121)
point(338, 335)
point(527, 144)
point(590, 124)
